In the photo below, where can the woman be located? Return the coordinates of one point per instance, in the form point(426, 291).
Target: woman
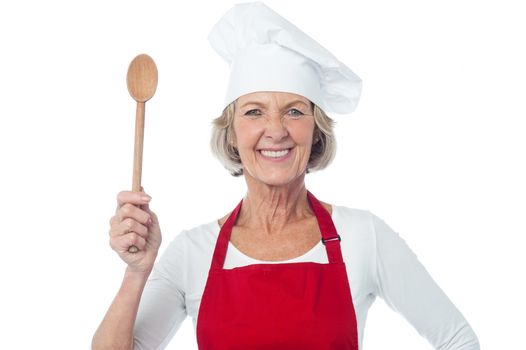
point(261, 277)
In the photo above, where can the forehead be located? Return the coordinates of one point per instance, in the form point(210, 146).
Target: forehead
point(271, 97)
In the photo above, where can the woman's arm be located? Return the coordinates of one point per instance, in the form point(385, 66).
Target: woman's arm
point(152, 323)
point(116, 330)
point(133, 224)
point(406, 286)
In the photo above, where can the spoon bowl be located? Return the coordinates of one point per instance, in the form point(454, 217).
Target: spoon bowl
point(142, 78)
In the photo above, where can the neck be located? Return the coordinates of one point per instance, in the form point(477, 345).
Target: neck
point(269, 209)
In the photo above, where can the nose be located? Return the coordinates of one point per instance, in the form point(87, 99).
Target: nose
point(275, 128)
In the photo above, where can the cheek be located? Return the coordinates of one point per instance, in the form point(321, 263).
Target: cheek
point(304, 134)
point(246, 136)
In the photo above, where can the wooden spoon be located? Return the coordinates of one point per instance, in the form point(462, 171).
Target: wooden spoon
point(142, 83)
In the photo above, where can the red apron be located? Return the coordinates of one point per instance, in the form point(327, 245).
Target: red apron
point(282, 306)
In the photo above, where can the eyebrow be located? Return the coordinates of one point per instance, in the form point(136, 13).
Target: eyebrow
point(261, 104)
point(296, 102)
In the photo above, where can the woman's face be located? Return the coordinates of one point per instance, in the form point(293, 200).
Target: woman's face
point(274, 133)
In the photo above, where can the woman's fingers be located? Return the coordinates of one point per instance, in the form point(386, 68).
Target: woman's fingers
point(129, 216)
point(128, 210)
point(128, 225)
point(135, 225)
point(154, 223)
point(137, 198)
point(123, 242)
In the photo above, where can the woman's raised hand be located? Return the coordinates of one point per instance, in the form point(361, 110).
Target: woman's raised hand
point(134, 224)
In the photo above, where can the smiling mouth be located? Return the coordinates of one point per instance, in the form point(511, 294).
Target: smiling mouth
point(275, 154)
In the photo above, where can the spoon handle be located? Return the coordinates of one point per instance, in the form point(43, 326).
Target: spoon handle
point(137, 155)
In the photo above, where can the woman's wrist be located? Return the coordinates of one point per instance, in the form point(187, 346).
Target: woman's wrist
point(136, 275)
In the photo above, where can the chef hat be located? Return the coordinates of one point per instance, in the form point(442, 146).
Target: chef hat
point(268, 53)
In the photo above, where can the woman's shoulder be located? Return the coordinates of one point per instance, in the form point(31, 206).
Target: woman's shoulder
point(205, 233)
point(195, 243)
point(363, 222)
point(366, 224)
point(363, 226)
point(357, 217)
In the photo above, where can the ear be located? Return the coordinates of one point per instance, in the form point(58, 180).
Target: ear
point(316, 138)
point(231, 139)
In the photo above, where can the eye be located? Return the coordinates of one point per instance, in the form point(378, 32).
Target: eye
point(295, 112)
point(253, 112)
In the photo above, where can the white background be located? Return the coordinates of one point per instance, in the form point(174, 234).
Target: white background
point(435, 148)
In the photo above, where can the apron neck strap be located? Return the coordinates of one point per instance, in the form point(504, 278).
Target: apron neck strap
point(330, 237)
point(218, 259)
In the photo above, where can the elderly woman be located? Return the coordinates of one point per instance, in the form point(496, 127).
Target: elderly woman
point(283, 270)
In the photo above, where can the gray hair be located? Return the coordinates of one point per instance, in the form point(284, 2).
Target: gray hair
point(322, 152)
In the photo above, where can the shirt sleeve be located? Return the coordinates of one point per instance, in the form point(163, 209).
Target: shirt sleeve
point(162, 308)
point(407, 288)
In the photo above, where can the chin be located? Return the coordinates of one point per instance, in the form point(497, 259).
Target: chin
point(278, 179)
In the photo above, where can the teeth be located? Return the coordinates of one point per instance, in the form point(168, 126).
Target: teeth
point(274, 154)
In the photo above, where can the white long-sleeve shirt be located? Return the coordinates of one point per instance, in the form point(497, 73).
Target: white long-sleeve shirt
point(378, 262)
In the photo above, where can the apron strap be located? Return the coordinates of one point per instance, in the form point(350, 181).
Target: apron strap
point(218, 259)
point(330, 237)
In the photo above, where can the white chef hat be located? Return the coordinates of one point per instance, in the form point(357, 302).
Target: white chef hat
point(268, 53)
